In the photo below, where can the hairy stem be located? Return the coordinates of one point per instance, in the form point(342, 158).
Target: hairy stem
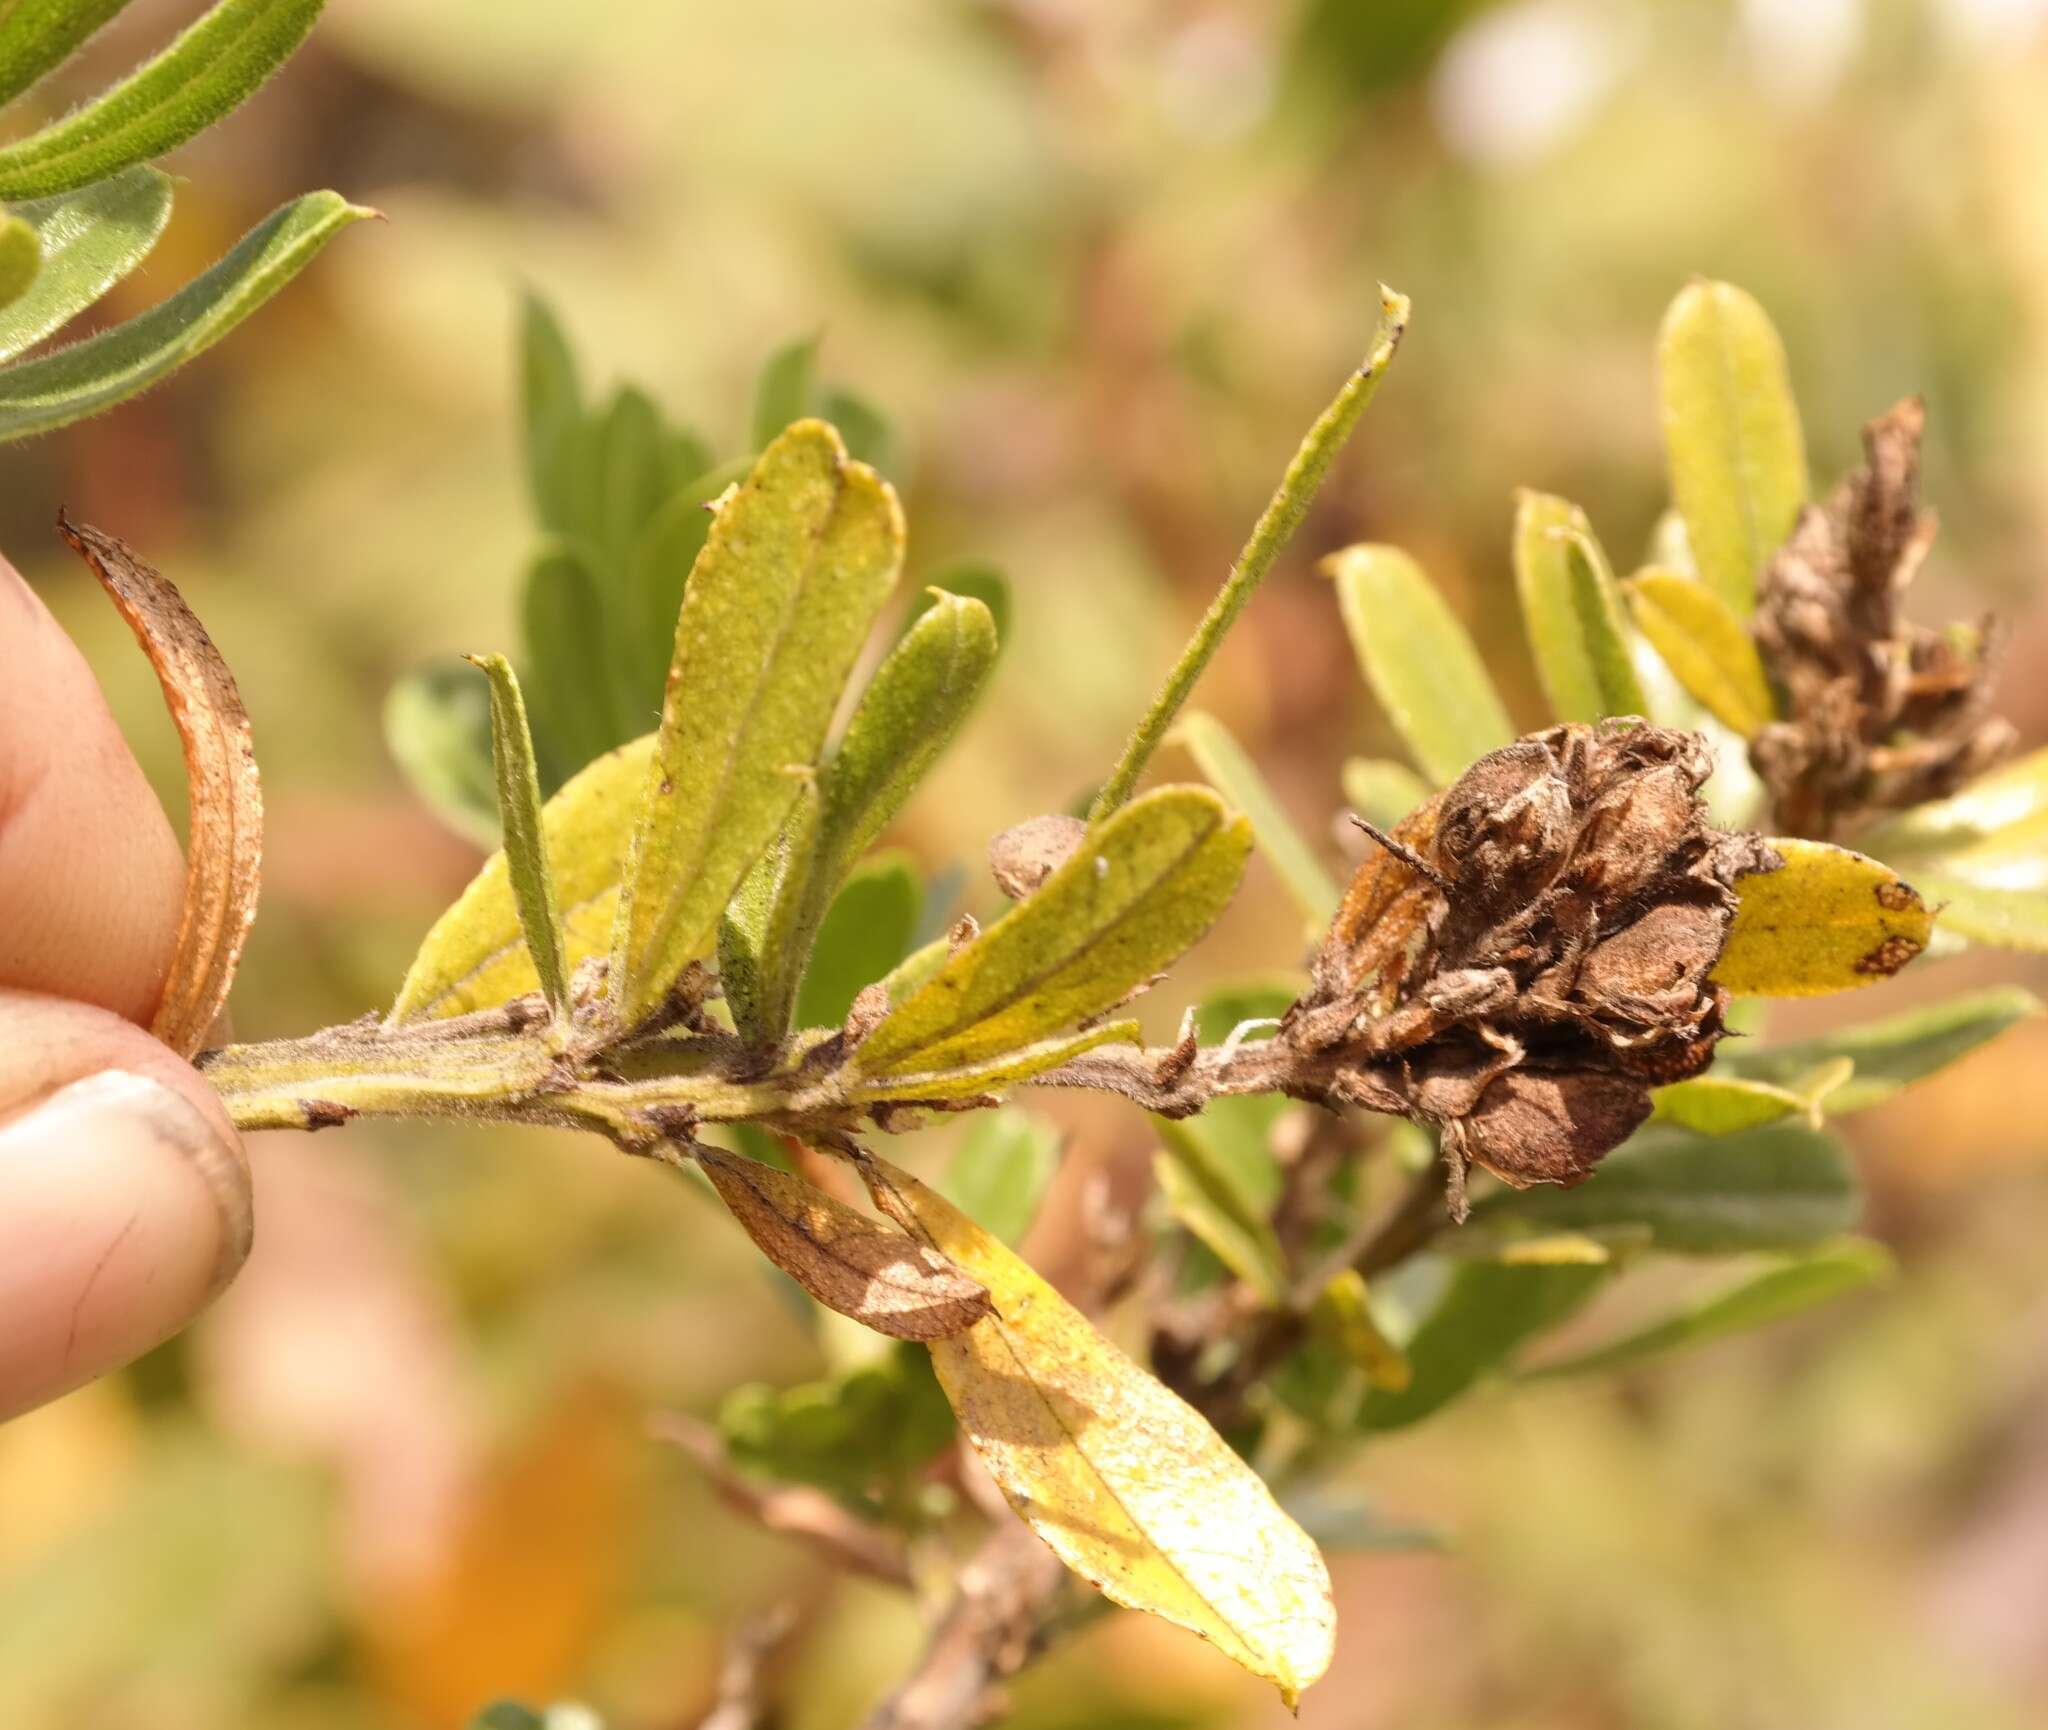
point(1274, 529)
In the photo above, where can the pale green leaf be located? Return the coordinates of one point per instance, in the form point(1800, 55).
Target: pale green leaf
point(782, 394)
point(519, 817)
point(1732, 440)
point(1601, 630)
point(1705, 644)
point(37, 36)
point(211, 69)
point(1986, 914)
point(437, 726)
point(1568, 610)
point(1381, 791)
point(1233, 774)
point(1753, 1302)
point(798, 562)
point(1419, 661)
point(989, 1076)
point(973, 580)
point(1830, 920)
point(2008, 800)
point(1201, 1197)
point(94, 374)
point(1000, 1171)
point(90, 240)
point(1718, 1104)
point(1141, 888)
point(476, 956)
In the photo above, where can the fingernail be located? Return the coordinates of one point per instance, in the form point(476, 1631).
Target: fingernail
point(123, 1211)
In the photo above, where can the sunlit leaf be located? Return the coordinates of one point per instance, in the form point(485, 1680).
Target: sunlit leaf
point(999, 1172)
point(224, 850)
point(1805, 1283)
point(1720, 1103)
point(990, 1076)
point(1830, 920)
point(1233, 774)
point(1998, 918)
point(2013, 797)
point(1419, 660)
point(475, 956)
point(1783, 1186)
point(782, 394)
point(21, 256)
point(519, 818)
point(1381, 791)
point(1732, 439)
point(1129, 1486)
point(212, 68)
point(437, 726)
point(975, 581)
point(1705, 644)
point(39, 36)
point(89, 240)
point(1141, 888)
point(99, 371)
point(798, 562)
point(1568, 609)
point(866, 931)
point(1202, 1198)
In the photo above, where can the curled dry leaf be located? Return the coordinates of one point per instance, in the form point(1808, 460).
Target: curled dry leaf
point(224, 863)
point(1024, 855)
point(848, 1262)
point(1128, 1484)
point(1532, 952)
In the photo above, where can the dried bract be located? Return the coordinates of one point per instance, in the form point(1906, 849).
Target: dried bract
point(1532, 958)
point(1882, 713)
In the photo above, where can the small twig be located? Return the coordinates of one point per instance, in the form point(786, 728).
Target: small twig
point(757, 1640)
point(1402, 851)
point(795, 1510)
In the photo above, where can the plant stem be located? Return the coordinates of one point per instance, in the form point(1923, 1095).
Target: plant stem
point(1274, 529)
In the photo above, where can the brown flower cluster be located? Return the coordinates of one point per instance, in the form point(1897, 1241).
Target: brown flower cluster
point(1883, 714)
point(1528, 955)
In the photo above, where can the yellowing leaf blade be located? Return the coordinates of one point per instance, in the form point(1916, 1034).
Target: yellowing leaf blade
point(1829, 920)
point(1129, 1485)
point(1705, 645)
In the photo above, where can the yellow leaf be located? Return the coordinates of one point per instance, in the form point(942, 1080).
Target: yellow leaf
point(1127, 1483)
point(1705, 644)
point(1830, 920)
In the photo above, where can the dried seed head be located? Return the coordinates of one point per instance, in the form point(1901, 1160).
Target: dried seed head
point(1526, 998)
point(1023, 856)
point(1883, 714)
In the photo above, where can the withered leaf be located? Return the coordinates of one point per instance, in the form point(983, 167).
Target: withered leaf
point(879, 1276)
point(224, 863)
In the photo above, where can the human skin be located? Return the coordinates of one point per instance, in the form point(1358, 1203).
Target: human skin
point(124, 1191)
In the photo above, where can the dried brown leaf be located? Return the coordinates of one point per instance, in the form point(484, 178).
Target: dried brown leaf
point(224, 863)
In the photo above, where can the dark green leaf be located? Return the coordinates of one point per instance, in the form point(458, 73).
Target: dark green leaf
point(89, 240)
point(507, 1715)
point(551, 403)
point(37, 36)
point(782, 394)
point(632, 472)
point(999, 1172)
point(566, 661)
point(863, 426)
point(658, 569)
point(865, 1432)
point(437, 726)
point(865, 932)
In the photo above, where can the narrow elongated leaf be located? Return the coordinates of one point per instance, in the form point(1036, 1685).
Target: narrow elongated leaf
point(973, 580)
point(1381, 791)
point(21, 256)
point(437, 727)
point(883, 1278)
point(1705, 644)
point(866, 931)
point(565, 651)
point(1226, 767)
point(37, 36)
point(475, 956)
point(2012, 798)
point(551, 406)
point(869, 437)
point(999, 1173)
point(526, 859)
point(1998, 918)
point(1783, 1186)
point(909, 713)
point(990, 1077)
point(1487, 1313)
point(1732, 440)
point(1601, 630)
point(1201, 1196)
point(1722, 1104)
point(211, 69)
point(632, 482)
point(224, 851)
point(782, 394)
point(1889, 1055)
point(796, 566)
point(1136, 894)
point(1830, 920)
point(1754, 1302)
point(70, 383)
point(1129, 1485)
point(1581, 654)
point(89, 240)
point(1419, 660)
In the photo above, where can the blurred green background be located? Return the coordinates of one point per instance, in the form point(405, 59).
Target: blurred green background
point(1100, 265)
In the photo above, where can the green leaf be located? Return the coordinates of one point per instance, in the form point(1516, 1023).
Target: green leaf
point(437, 726)
point(866, 931)
point(1998, 918)
point(1233, 774)
point(1238, 1132)
point(658, 568)
point(908, 714)
point(869, 1429)
point(973, 580)
point(518, 781)
point(566, 661)
point(507, 1715)
point(1783, 1186)
point(990, 1077)
point(210, 70)
point(1486, 1314)
point(476, 955)
point(1343, 1316)
point(21, 256)
point(782, 394)
point(1705, 644)
point(1753, 1302)
point(1202, 1197)
point(1000, 1171)
point(88, 376)
point(1888, 1055)
point(632, 475)
point(869, 437)
point(1141, 888)
point(1829, 920)
point(1722, 1104)
point(1382, 791)
point(1569, 612)
point(1732, 440)
point(798, 562)
point(89, 241)
point(37, 36)
point(551, 406)
point(2008, 802)
point(1419, 661)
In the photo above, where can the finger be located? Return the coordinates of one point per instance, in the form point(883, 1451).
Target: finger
point(90, 874)
point(124, 1196)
